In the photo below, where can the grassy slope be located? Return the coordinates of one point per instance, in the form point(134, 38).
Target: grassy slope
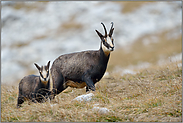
point(154, 94)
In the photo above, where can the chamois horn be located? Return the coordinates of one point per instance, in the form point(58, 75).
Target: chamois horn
point(111, 30)
point(104, 30)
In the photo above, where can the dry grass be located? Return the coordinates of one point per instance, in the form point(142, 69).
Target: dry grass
point(154, 94)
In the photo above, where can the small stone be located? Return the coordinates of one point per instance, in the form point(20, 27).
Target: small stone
point(86, 97)
point(101, 110)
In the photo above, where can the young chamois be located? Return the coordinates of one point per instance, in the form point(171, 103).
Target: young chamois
point(84, 68)
point(35, 88)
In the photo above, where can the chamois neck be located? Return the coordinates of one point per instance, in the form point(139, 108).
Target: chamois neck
point(105, 49)
point(45, 83)
point(104, 56)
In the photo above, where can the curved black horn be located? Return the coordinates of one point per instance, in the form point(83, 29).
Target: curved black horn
point(112, 25)
point(104, 29)
point(111, 30)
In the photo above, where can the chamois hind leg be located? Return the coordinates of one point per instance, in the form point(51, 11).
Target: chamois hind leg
point(87, 88)
point(89, 84)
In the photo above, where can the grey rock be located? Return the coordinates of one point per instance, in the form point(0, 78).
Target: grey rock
point(85, 97)
point(100, 110)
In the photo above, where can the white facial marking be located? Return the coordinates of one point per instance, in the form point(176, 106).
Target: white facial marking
point(44, 74)
point(105, 49)
point(109, 41)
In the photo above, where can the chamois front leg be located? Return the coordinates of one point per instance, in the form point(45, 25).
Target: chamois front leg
point(89, 84)
point(33, 96)
point(20, 100)
point(58, 82)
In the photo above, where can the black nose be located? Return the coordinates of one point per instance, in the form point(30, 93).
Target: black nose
point(44, 79)
point(112, 48)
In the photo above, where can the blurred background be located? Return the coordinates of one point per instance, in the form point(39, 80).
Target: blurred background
point(145, 34)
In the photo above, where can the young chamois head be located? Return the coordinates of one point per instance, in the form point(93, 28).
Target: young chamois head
point(44, 72)
point(107, 41)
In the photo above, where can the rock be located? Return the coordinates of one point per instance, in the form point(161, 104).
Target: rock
point(85, 97)
point(101, 110)
point(52, 105)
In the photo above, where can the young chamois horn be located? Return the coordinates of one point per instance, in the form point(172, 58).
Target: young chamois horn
point(35, 88)
point(84, 68)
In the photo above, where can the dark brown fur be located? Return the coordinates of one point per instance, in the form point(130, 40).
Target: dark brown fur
point(32, 88)
point(82, 68)
point(86, 66)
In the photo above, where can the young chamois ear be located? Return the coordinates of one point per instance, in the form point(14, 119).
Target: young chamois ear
point(107, 42)
point(39, 68)
point(48, 65)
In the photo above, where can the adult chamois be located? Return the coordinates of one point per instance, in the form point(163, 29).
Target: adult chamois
point(84, 68)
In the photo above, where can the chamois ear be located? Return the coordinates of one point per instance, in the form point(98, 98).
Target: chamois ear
point(100, 35)
point(37, 66)
point(48, 65)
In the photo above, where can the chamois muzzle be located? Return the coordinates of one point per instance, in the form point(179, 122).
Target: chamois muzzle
point(111, 48)
point(44, 79)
